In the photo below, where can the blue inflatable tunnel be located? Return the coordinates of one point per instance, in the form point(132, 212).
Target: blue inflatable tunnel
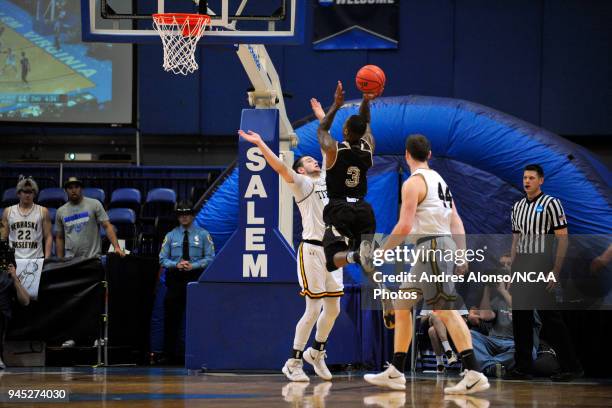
point(481, 154)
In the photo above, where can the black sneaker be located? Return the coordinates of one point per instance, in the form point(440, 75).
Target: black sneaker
point(566, 376)
point(517, 374)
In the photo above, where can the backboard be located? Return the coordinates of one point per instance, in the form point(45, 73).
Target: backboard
point(233, 21)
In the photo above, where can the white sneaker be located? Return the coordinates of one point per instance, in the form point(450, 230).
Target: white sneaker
point(294, 370)
point(452, 359)
point(319, 393)
point(394, 399)
point(316, 358)
point(68, 344)
point(294, 392)
point(466, 401)
point(99, 342)
point(366, 257)
point(390, 378)
point(472, 382)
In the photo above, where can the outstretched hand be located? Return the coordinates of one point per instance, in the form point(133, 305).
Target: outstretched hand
point(317, 109)
point(250, 136)
point(371, 95)
point(339, 95)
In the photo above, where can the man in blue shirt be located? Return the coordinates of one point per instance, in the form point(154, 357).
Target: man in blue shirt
point(187, 250)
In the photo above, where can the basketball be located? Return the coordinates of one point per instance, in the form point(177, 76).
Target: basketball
point(370, 79)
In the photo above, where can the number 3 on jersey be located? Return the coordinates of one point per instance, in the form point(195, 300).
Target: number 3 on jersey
point(353, 172)
point(445, 196)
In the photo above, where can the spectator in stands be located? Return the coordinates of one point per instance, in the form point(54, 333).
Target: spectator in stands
point(496, 309)
point(186, 252)
point(439, 338)
point(27, 225)
point(10, 289)
point(76, 223)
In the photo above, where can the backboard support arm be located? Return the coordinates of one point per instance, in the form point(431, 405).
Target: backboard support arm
point(267, 93)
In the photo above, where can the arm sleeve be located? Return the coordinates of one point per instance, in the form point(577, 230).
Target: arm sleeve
point(557, 215)
point(208, 249)
point(164, 254)
point(302, 187)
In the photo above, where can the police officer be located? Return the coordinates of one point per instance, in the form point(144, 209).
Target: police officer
point(186, 251)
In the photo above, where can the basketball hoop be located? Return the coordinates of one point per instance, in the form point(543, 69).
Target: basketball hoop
point(180, 33)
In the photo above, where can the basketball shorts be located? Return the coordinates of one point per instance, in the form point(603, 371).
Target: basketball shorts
point(346, 220)
point(440, 295)
point(314, 279)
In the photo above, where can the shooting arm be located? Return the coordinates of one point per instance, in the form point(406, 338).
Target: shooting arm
point(364, 112)
point(327, 142)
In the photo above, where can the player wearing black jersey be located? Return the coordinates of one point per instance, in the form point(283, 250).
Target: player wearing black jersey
point(347, 216)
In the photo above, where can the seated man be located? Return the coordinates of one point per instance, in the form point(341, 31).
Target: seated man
point(498, 346)
point(438, 335)
point(187, 250)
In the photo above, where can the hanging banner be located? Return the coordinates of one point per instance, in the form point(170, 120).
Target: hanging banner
point(356, 24)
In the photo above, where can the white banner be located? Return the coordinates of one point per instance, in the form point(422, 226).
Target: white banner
point(28, 271)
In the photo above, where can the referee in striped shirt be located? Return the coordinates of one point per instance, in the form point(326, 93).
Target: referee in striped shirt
point(539, 243)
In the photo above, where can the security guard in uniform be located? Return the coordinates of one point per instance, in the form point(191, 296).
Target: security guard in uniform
point(187, 250)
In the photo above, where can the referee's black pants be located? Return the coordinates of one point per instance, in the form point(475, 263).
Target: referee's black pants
point(174, 311)
point(557, 335)
point(529, 296)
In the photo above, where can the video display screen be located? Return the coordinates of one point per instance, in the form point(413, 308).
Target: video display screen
point(47, 74)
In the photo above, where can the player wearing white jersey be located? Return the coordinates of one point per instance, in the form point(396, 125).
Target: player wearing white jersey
point(26, 225)
point(321, 289)
point(429, 211)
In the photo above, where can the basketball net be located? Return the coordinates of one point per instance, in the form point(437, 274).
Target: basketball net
point(180, 34)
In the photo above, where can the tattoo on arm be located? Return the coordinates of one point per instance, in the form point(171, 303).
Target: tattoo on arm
point(329, 118)
point(325, 140)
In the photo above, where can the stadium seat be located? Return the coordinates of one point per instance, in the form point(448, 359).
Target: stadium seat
point(159, 202)
point(158, 210)
point(95, 193)
point(124, 221)
point(126, 198)
point(52, 212)
point(53, 197)
point(9, 197)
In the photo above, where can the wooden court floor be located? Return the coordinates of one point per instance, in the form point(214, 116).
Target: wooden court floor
point(166, 387)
